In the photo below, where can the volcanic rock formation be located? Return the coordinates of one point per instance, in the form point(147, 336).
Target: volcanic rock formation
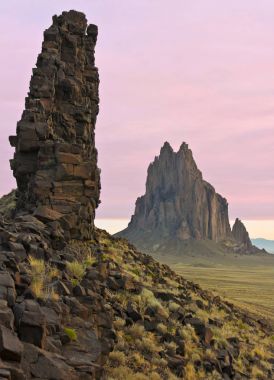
point(241, 236)
point(179, 208)
point(55, 160)
point(178, 203)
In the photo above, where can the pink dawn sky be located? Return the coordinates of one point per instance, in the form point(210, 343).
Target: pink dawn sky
point(200, 71)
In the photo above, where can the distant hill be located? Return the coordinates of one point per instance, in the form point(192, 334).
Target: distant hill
point(261, 243)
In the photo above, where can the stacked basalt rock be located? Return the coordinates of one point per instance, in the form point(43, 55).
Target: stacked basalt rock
point(55, 160)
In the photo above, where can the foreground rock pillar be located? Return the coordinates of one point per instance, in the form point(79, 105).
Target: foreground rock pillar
point(55, 160)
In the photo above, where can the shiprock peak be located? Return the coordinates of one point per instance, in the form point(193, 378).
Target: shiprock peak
point(179, 207)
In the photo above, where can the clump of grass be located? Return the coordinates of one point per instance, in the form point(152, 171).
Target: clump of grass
point(257, 373)
point(173, 306)
point(147, 345)
point(71, 333)
point(51, 294)
point(37, 266)
point(171, 347)
point(116, 359)
point(89, 260)
point(119, 323)
point(161, 328)
point(169, 375)
point(76, 269)
point(190, 373)
point(154, 376)
point(259, 352)
point(192, 350)
point(37, 286)
point(53, 273)
point(119, 373)
point(188, 334)
point(148, 299)
point(138, 360)
point(42, 275)
point(210, 355)
point(136, 272)
point(136, 331)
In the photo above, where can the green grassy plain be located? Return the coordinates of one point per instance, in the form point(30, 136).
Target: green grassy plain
point(247, 281)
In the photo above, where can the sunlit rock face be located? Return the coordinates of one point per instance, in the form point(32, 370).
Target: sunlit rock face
point(241, 236)
point(178, 203)
point(55, 160)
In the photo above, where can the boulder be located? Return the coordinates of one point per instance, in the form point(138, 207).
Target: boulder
point(31, 323)
point(133, 312)
point(201, 329)
point(10, 346)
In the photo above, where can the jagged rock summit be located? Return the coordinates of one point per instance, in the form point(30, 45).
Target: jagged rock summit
point(55, 160)
point(241, 236)
point(179, 205)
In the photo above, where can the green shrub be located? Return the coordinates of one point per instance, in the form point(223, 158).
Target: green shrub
point(71, 333)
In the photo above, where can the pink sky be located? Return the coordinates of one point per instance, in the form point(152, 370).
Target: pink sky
point(196, 71)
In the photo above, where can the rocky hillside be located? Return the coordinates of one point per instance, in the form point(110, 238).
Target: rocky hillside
point(100, 309)
point(179, 206)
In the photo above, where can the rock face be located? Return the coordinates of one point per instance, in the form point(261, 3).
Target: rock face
point(55, 160)
point(178, 203)
point(241, 236)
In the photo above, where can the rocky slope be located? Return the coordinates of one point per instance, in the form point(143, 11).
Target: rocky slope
point(179, 206)
point(99, 309)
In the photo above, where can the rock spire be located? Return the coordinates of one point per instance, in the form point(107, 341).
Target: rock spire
point(55, 160)
point(241, 236)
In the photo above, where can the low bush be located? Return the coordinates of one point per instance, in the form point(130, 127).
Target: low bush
point(71, 333)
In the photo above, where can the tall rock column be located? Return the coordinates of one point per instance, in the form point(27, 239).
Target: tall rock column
point(241, 236)
point(55, 160)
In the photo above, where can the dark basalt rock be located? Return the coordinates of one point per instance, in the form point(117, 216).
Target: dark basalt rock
point(55, 160)
point(10, 346)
